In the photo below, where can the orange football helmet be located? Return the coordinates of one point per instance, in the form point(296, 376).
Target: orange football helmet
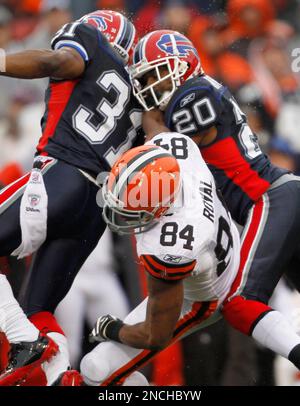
point(140, 188)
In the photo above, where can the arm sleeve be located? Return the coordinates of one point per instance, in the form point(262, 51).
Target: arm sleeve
point(79, 36)
point(160, 269)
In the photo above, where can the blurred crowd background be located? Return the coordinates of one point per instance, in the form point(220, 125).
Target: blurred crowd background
point(249, 45)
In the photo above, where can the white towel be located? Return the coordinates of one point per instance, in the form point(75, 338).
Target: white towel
point(33, 215)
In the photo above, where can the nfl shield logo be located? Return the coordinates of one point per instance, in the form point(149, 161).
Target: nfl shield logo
point(34, 200)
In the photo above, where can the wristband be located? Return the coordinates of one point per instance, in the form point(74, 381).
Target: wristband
point(113, 329)
point(2, 60)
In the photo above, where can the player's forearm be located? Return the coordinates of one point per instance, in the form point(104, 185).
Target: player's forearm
point(139, 336)
point(28, 64)
point(37, 64)
point(163, 311)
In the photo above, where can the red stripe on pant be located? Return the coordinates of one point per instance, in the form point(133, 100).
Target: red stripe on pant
point(15, 186)
point(239, 312)
point(247, 244)
point(10, 190)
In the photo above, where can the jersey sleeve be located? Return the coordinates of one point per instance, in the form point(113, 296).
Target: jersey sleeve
point(79, 36)
point(194, 110)
point(160, 268)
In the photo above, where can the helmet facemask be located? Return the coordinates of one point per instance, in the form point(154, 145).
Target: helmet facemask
point(124, 221)
point(149, 96)
point(141, 187)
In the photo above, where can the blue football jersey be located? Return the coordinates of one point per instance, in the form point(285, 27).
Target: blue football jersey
point(89, 122)
point(242, 172)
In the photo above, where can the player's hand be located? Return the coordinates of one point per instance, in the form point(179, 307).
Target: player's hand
point(103, 328)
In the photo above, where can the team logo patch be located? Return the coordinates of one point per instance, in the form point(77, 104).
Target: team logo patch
point(187, 99)
point(174, 259)
point(181, 46)
point(99, 21)
point(35, 177)
point(34, 200)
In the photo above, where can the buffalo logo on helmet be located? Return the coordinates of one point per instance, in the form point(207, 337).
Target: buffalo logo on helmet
point(180, 47)
point(99, 21)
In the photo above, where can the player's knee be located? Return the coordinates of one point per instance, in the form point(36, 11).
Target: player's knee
point(136, 379)
point(243, 314)
point(94, 370)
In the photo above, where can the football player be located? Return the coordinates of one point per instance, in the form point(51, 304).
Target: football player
point(90, 119)
point(188, 245)
point(265, 199)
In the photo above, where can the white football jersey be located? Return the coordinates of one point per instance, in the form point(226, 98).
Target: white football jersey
point(196, 240)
